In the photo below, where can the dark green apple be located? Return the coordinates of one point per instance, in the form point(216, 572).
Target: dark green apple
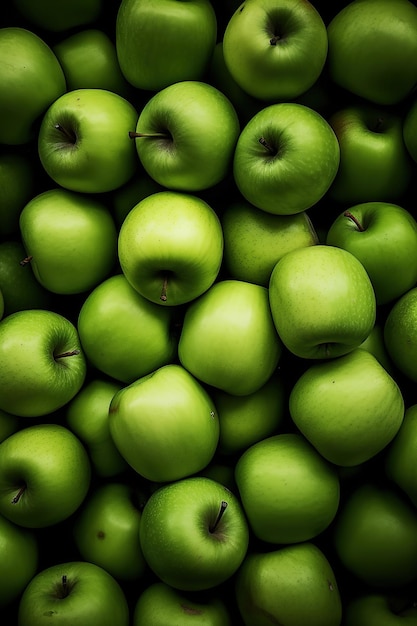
point(401, 455)
point(68, 14)
point(19, 561)
point(17, 186)
point(400, 333)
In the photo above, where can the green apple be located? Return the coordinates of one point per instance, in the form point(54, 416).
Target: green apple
point(400, 334)
point(42, 364)
point(75, 592)
point(83, 140)
point(349, 407)
point(49, 16)
point(171, 247)
point(19, 549)
point(87, 416)
point(130, 194)
point(205, 528)
point(293, 584)
point(254, 240)
point(383, 236)
point(106, 531)
point(376, 608)
point(32, 79)
point(160, 604)
point(164, 42)
point(165, 424)
point(122, 333)
point(17, 186)
point(286, 158)
point(375, 536)
point(374, 343)
point(71, 239)
point(228, 338)
point(266, 44)
point(401, 455)
point(45, 475)
point(289, 492)
point(186, 134)
point(322, 301)
point(374, 161)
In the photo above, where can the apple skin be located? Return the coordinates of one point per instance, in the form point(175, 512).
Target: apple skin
point(45, 474)
point(71, 239)
point(294, 166)
point(49, 16)
point(367, 401)
point(19, 560)
point(400, 457)
point(232, 326)
point(42, 363)
point(400, 334)
point(378, 609)
point(165, 424)
point(32, 80)
point(202, 553)
point(266, 44)
point(322, 301)
point(188, 31)
point(374, 343)
point(83, 140)
point(198, 129)
point(293, 584)
point(383, 236)
point(89, 595)
point(17, 186)
point(170, 247)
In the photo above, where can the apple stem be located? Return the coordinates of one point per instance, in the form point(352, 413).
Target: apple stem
point(26, 260)
point(64, 582)
point(19, 494)
point(223, 507)
point(164, 289)
point(354, 220)
point(274, 40)
point(267, 145)
point(71, 136)
point(65, 354)
point(134, 134)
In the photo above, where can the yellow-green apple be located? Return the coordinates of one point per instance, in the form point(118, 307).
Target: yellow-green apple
point(186, 135)
point(206, 530)
point(45, 475)
point(32, 80)
point(228, 338)
point(83, 140)
point(42, 363)
point(286, 158)
point(401, 455)
point(400, 333)
point(293, 584)
point(165, 424)
point(348, 407)
point(171, 247)
point(69, 14)
point(322, 301)
point(383, 236)
point(19, 561)
point(376, 608)
point(70, 238)
point(17, 186)
point(164, 42)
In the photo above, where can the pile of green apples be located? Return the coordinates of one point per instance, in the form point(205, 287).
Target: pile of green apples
point(208, 313)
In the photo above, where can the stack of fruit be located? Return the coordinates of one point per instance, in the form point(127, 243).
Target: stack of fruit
point(208, 313)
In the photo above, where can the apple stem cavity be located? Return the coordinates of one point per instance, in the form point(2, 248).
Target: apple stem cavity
point(267, 145)
point(26, 260)
point(274, 40)
point(163, 295)
point(19, 494)
point(223, 507)
point(65, 354)
point(354, 220)
point(69, 135)
point(134, 134)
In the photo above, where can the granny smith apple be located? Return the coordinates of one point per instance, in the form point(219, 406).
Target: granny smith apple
point(401, 459)
point(206, 530)
point(292, 584)
point(266, 44)
point(74, 592)
point(123, 334)
point(186, 135)
point(348, 407)
point(32, 79)
point(45, 475)
point(322, 301)
point(71, 239)
point(228, 339)
point(286, 158)
point(400, 333)
point(376, 608)
point(19, 560)
point(164, 42)
point(83, 140)
point(47, 15)
point(17, 186)
point(171, 247)
point(42, 363)
point(165, 424)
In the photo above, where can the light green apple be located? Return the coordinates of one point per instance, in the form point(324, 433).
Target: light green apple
point(293, 584)
point(186, 135)
point(383, 236)
point(376, 608)
point(71, 239)
point(322, 301)
point(123, 334)
point(17, 186)
point(286, 158)
point(349, 407)
point(32, 79)
point(165, 424)
point(19, 561)
point(106, 531)
point(164, 42)
point(228, 338)
point(45, 475)
point(206, 530)
point(42, 363)
point(400, 334)
point(83, 140)
point(69, 14)
point(400, 459)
